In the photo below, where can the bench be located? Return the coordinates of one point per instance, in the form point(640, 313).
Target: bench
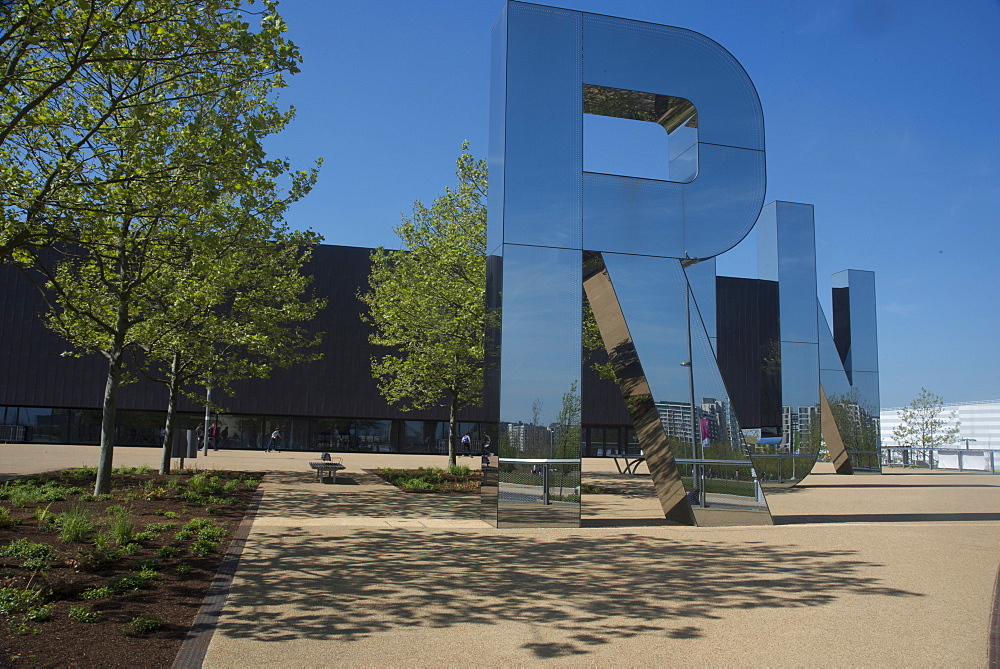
point(326, 470)
point(632, 462)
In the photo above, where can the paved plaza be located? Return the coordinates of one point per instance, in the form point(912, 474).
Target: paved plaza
point(889, 570)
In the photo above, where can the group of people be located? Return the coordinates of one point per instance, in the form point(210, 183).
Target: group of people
point(215, 436)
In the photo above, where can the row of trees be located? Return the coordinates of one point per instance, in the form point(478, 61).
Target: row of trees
point(136, 192)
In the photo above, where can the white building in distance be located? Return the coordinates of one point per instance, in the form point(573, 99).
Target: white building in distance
point(977, 420)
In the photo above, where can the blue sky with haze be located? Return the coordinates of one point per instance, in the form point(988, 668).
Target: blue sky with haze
point(883, 114)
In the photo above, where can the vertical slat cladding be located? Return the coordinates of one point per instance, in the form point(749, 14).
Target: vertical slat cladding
point(32, 372)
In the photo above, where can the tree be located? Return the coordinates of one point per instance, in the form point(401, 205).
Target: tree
point(569, 431)
point(427, 301)
point(922, 427)
point(75, 71)
point(248, 323)
point(172, 142)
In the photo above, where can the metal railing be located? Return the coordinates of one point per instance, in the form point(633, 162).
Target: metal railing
point(11, 434)
point(965, 459)
point(542, 467)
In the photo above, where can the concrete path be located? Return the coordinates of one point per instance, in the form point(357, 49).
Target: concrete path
point(889, 570)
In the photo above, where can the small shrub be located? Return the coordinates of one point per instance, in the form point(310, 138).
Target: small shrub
point(129, 583)
point(203, 546)
point(156, 528)
point(116, 510)
point(75, 525)
point(104, 542)
point(222, 501)
point(183, 568)
point(122, 530)
point(148, 565)
point(251, 483)
point(82, 614)
point(167, 514)
point(6, 519)
point(97, 593)
point(460, 470)
point(167, 551)
point(230, 486)
point(142, 469)
point(143, 537)
point(416, 484)
point(46, 519)
point(86, 497)
point(191, 497)
point(105, 497)
point(211, 510)
point(94, 559)
point(24, 603)
point(80, 473)
point(131, 549)
point(199, 483)
point(141, 625)
point(154, 492)
point(24, 549)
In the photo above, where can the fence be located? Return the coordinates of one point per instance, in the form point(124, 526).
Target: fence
point(961, 459)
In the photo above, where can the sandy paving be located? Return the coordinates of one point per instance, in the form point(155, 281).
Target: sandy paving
point(888, 570)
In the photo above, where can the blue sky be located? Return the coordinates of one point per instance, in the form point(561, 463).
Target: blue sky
point(883, 114)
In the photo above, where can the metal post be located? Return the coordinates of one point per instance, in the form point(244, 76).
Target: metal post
point(208, 403)
point(698, 475)
point(545, 484)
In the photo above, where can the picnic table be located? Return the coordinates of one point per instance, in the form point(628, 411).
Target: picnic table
point(326, 470)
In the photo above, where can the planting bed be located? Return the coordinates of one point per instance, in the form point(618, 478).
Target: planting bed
point(111, 580)
point(432, 479)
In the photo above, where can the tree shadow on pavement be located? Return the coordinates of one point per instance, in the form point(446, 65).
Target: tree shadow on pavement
point(592, 588)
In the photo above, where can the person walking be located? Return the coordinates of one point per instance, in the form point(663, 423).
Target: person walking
point(275, 441)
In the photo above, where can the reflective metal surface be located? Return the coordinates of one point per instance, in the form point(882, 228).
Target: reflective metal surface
point(664, 361)
point(636, 392)
point(550, 67)
point(539, 377)
point(786, 254)
point(854, 408)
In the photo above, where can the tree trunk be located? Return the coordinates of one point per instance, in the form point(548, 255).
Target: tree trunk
point(110, 410)
point(168, 429)
point(452, 428)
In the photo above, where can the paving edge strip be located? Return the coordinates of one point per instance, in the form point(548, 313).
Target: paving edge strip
point(195, 644)
point(994, 657)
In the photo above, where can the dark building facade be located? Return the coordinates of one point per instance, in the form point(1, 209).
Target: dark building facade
point(334, 404)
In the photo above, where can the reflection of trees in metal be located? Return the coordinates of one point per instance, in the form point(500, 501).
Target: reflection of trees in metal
point(568, 434)
point(851, 432)
point(635, 390)
point(666, 110)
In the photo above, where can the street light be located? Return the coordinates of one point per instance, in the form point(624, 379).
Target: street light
point(967, 442)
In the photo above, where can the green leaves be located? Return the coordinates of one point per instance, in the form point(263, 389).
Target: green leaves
point(131, 145)
point(427, 302)
point(921, 424)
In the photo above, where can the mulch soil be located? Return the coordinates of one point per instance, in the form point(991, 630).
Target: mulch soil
point(172, 597)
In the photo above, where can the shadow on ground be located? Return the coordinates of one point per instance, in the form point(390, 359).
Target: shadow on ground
point(593, 589)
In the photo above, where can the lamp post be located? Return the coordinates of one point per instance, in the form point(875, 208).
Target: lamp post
point(967, 442)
